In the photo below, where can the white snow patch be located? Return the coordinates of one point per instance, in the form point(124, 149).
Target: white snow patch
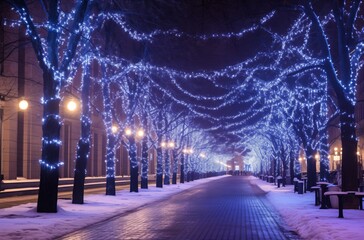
point(309, 221)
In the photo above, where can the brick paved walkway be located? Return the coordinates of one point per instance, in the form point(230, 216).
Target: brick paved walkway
point(228, 208)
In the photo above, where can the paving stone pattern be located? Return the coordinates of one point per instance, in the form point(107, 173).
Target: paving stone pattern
point(227, 208)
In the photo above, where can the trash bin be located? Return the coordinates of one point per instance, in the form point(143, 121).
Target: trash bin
point(295, 188)
point(300, 187)
point(279, 181)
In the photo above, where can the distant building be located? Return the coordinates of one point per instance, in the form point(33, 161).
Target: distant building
point(236, 163)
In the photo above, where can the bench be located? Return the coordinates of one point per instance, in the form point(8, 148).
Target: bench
point(341, 195)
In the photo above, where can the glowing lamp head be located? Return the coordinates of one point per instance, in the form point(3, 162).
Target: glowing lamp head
point(114, 129)
point(23, 105)
point(140, 133)
point(171, 145)
point(128, 132)
point(163, 144)
point(71, 106)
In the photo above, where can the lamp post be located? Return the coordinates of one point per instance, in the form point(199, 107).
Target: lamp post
point(23, 106)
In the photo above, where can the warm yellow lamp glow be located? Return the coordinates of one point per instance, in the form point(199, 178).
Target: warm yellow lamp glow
point(140, 133)
point(71, 105)
point(114, 129)
point(171, 144)
point(23, 104)
point(128, 132)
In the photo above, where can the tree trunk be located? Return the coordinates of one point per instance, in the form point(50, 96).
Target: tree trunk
point(145, 164)
point(133, 165)
point(349, 145)
point(175, 167)
point(159, 178)
point(49, 170)
point(311, 168)
point(324, 160)
point(110, 165)
point(167, 170)
point(83, 148)
point(182, 177)
point(291, 166)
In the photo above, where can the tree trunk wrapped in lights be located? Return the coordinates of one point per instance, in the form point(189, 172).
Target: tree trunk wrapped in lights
point(159, 177)
point(167, 164)
point(83, 147)
point(134, 166)
point(54, 60)
point(182, 175)
point(175, 166)
point(110, 137)
point(145, 164)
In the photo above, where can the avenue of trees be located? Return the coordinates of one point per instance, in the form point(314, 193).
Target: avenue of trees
point(271, 102)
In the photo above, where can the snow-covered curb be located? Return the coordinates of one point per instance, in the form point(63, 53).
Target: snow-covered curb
point(23, 222)
point(310, 222)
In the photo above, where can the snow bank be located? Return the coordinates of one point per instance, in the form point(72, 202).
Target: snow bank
point(301, 214)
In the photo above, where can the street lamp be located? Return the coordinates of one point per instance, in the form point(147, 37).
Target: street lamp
point(71, 105)
point(187, 150)
point(114, 129)
point(128, 132)
point(171, 144)
point(23, 105)
point(140, 133)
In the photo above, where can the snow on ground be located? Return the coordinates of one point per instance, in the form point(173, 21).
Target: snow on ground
point(299, 212)
point(23, 221)
point(310, 222)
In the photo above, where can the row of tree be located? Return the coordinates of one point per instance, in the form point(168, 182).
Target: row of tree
point(285, 94)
